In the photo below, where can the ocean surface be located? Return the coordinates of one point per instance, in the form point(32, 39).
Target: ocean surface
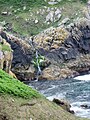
point(76, 91)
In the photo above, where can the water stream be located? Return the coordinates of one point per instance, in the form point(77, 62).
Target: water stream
point(76, 91)
point(38, 66)
point(32, 44)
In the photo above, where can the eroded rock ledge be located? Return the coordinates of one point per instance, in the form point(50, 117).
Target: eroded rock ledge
point(67, 50)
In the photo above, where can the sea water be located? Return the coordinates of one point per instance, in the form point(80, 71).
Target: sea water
point(76, 91)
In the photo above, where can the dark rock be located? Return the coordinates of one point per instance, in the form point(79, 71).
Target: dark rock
point(64, 104)
point(53, 56)
point(85, 106)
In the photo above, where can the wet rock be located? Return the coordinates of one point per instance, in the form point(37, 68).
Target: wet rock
point(85, 106)
point(64, 104)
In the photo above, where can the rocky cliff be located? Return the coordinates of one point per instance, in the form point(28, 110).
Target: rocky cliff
point(66, 52)
point(6, 55)
point(22, 56)
point(69, 53)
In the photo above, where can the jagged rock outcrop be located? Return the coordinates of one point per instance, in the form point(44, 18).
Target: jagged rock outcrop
point(6, 55)
point(22, 56)
point(67, 50)
point(72, 55)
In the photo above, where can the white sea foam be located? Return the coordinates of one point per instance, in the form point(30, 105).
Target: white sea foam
point(79, 111)
point(58, 96)
point(83, 77)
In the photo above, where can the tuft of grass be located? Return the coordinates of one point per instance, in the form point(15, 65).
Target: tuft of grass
point(5, 47)
point(9, 85)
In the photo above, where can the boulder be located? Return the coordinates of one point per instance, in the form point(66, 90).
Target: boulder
point(64, 21)
point(36, 21)
point(50, 16)
point(85, 106)
point(64, 104)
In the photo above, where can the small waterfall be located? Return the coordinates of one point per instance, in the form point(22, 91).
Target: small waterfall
point(38, 66)
point(37, 58)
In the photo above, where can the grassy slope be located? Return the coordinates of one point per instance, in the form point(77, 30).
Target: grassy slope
point(9, 85)
point(72, 9)
point(16, 103)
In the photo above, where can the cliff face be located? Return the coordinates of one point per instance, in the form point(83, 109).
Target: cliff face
point(6, 55)
point(72, 56)
point(66, 52)
point(22, 56)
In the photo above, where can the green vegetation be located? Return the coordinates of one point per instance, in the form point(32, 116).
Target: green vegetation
point(16, 108)
point(5, 47)
point(65, 1)
point(32, 2)
point(9, 85)
point(38, 61)
point(22, 21)
point(23, 2)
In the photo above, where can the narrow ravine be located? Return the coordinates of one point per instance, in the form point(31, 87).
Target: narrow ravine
point(76, 91)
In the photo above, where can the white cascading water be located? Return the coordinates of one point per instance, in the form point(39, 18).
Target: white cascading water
point(38, 66)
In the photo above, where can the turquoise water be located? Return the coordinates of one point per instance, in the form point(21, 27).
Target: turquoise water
point(76, 91)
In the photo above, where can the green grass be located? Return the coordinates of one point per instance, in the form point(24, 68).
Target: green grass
point(9, 85)
point(17, 108)
point(20, 3)
point(17, 20)
point(5, 47)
